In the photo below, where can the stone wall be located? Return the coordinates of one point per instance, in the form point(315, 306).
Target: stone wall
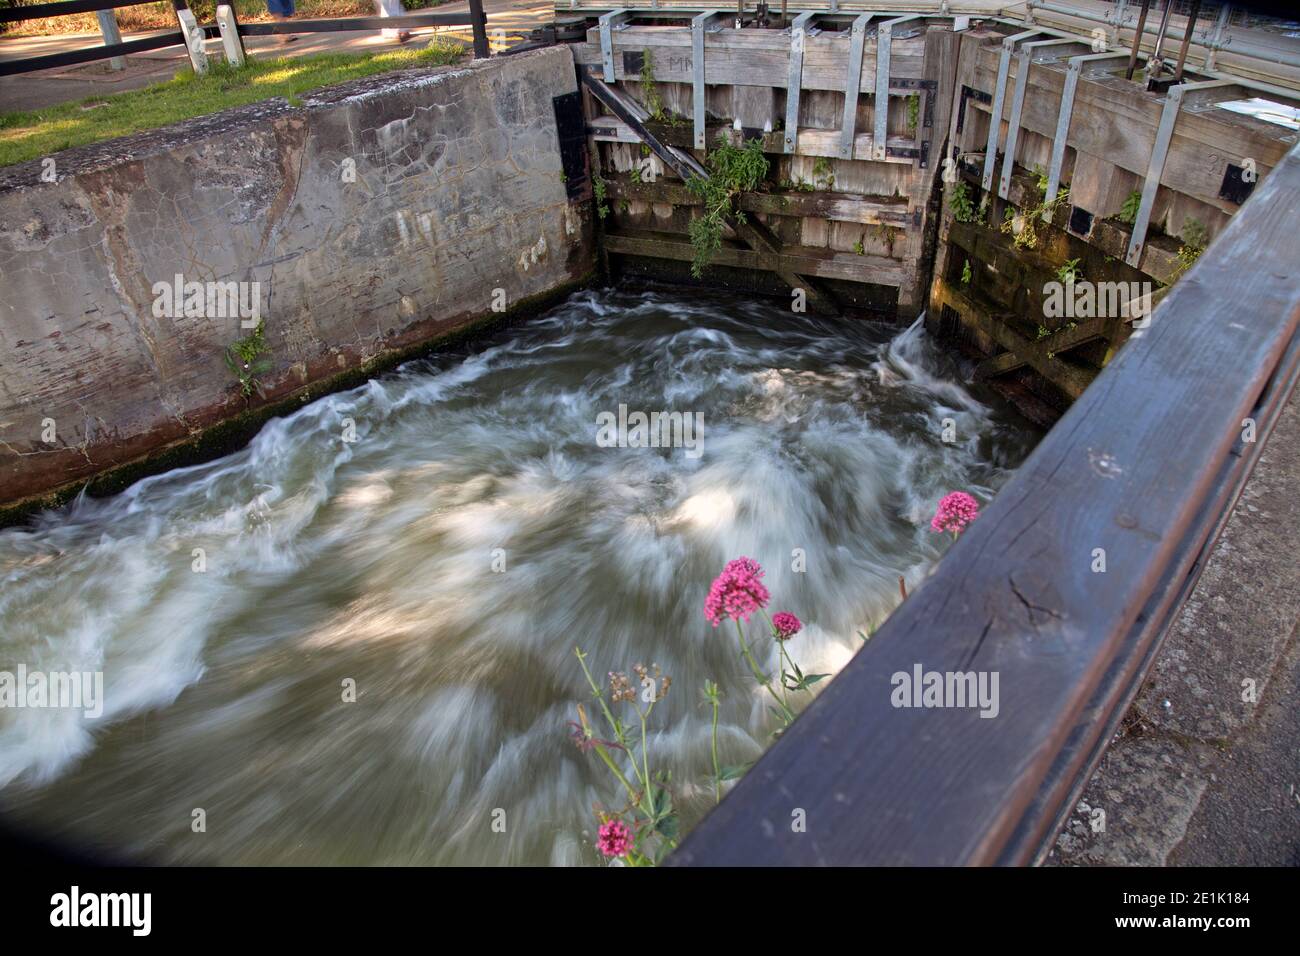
point(374, 218)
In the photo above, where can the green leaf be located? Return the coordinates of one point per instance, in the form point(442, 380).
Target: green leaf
point(667, 827)
point(734, 772)
point(809, 681)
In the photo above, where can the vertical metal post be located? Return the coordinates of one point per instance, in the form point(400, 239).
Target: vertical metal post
point(999, 98)
point(699, 25)
point(1216, 38)
point(852, 85)
point(1187, 39)
point(1013, 121)
point(880, 102)
point(1155, 168)
point(112, 36)
point(1154, 66)
point(798, 31)
point(478, 24)
point(606, 24)
point(1137, 39)
point(1073, 73)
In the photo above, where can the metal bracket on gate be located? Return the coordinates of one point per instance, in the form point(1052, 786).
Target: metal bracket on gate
point(607, 23)
point(852, 85)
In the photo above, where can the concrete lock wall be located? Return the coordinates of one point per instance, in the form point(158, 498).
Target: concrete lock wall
point(377, 216)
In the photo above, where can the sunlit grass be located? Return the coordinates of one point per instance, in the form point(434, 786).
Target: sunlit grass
point(30, 135)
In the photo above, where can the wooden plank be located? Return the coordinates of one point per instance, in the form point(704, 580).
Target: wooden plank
point(811, 142)
point(1041, 351)
point(1143, 466)
point(825, 56)
point(838, 207)
point(819, 263)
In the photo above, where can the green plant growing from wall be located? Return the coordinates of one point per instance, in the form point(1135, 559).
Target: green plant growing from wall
point(1022, 225)
point(600, 190)
point(635, 175)
point(1069, 273)
point(732, 170)
point(859, 248)
point(650, 97)
point(1040, 181)
point(244, 359)
point(913, 112)
point(1128, 213)
point(965, 273)
point(823, 170)
point(959, 201)
point(1195, 239)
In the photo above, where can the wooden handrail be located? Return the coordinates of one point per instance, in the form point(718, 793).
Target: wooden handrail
point(1143, 470)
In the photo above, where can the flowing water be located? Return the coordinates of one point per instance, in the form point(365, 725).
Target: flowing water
point(448, 559)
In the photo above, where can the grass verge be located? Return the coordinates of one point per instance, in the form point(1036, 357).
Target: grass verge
point(38, 133)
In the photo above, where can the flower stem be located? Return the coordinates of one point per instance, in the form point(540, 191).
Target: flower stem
point(758, 675)
point(717, 774)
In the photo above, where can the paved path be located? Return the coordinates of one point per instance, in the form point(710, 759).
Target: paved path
point(63, 84)
point(1206, 770)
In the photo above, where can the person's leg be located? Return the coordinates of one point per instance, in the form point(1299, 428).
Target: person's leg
point(393, 8)
point(282, 10)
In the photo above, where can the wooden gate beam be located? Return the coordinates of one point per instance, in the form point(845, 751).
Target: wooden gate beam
point(687, 167)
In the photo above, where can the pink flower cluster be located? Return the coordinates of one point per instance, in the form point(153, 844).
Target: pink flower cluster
point(786, 624)
point(956, 510)
point(614, 838)
point(736, 593)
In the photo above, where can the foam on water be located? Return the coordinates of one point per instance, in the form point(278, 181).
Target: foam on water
point(372, 561)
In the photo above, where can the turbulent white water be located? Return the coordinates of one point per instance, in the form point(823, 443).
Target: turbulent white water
point(373, 560)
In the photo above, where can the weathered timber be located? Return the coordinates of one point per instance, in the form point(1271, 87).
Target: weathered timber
point(753, 57)
point(686, 167)
point(819, 263)
point(838, 207)
point(811, 142)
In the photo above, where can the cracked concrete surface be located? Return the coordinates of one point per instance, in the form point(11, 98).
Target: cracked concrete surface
point(457, 191)
point(1206, 767)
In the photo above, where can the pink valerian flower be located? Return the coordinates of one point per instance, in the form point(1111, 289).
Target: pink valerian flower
point(956, 510)
point(736, 593)
point(614, 838)
point(786, 625)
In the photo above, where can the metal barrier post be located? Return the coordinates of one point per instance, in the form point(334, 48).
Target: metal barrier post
point(112, 36)
point(230, 39)
point(478, 23)
point(193, 37)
